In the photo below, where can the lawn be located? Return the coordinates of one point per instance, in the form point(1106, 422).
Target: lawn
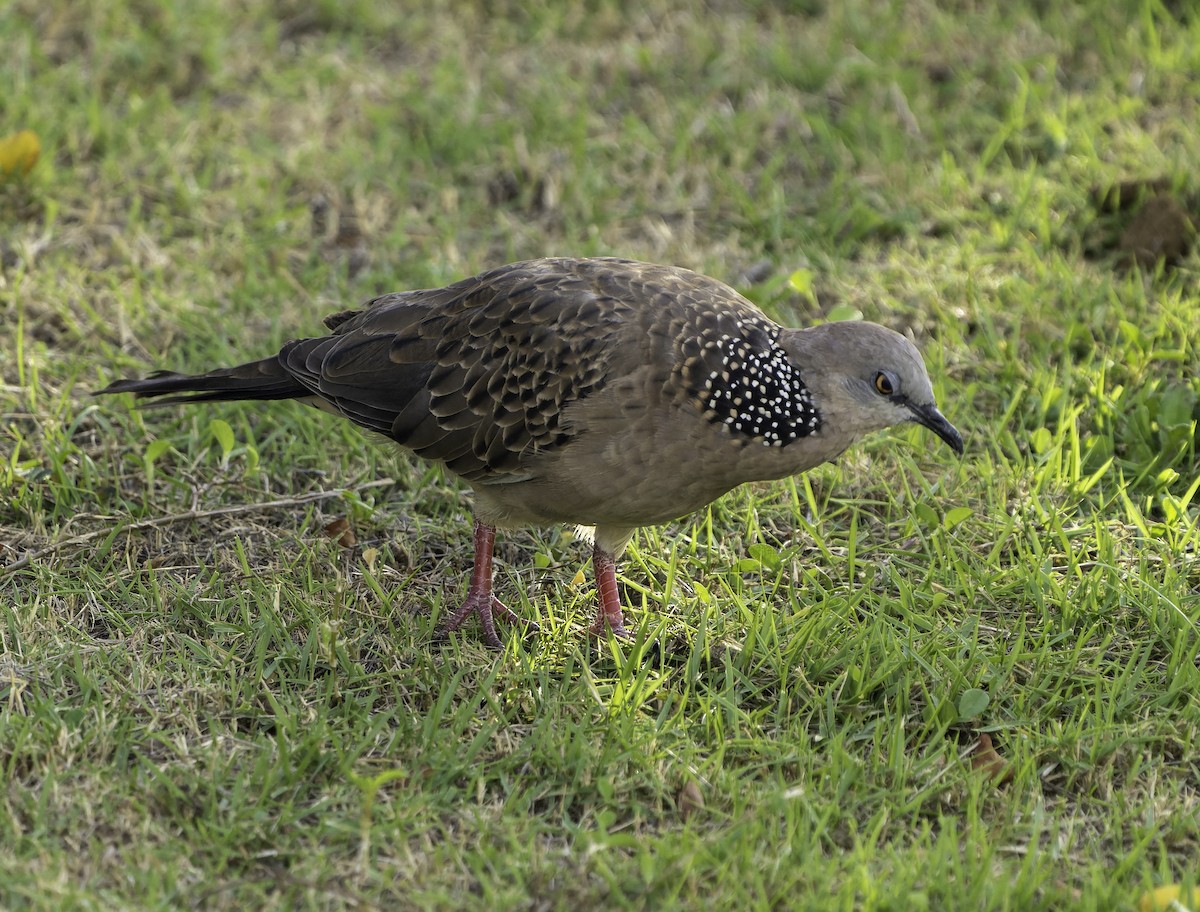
point(219, 687)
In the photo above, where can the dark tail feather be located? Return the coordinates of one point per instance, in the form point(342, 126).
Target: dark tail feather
point(264, 379)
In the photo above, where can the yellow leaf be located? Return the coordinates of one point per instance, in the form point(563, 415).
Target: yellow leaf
point(579, 579)
point(19, 153)
point(1170, 898)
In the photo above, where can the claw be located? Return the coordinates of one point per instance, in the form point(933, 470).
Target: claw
point(479, 598)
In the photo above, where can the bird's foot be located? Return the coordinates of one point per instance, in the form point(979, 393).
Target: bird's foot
point(487, 606)
point(479, 598)
point(604, 623)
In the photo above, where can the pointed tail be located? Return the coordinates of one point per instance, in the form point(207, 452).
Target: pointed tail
point(266, 379)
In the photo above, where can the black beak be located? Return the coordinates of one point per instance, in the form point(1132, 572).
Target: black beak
point(929, 416)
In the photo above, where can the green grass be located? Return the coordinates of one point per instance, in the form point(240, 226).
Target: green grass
point(205, 702)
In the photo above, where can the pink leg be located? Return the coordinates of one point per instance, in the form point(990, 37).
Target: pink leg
point(606, 594)
point(479, 596)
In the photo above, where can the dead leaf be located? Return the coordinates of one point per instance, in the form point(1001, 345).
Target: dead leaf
point(1160, 231)
point(340, 529)
point(690, 800)
point(984, 757)
point(939, 72)
point(19, 153)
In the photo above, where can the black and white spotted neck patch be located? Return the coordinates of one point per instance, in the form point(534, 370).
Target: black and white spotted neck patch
point(746, 381)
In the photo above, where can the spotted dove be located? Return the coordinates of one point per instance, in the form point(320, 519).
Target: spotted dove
point(598, 392)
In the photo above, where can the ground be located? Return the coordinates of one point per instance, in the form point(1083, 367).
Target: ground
point(219, 684)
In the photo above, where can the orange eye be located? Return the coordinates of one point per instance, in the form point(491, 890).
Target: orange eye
point(883, 384)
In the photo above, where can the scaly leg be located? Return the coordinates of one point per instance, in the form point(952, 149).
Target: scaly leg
point(609, 614)
point(479, 598)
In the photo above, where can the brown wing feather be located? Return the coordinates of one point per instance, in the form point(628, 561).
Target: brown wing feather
point(476, 374)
